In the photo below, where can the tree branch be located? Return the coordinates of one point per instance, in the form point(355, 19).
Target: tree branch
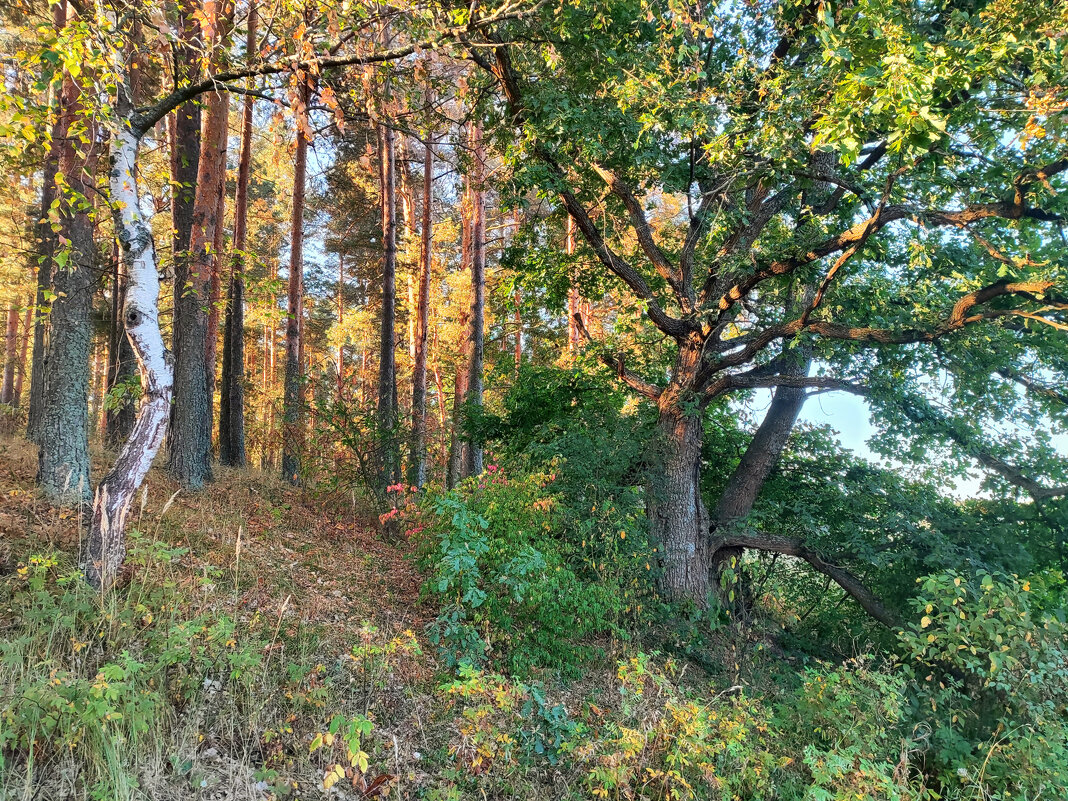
point(848, 581)
point(145, 118)
point(1014, 208)
point(615, 361)
point(644, 233)
point(501, 68)
point(919, 412)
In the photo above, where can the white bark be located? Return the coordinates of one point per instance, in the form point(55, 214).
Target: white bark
point(106, 546)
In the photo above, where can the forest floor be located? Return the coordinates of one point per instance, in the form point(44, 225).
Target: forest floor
point(280, 546)
point(255, 617)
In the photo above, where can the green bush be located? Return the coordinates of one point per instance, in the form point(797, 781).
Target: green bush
point(990, 668)
point(93, 683)
point(517, 584)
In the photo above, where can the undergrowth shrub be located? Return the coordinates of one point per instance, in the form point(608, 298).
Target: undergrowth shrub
point(990, 683)
point(847, 722)
point(665, 742)
point(514, 581)
point(90, 684)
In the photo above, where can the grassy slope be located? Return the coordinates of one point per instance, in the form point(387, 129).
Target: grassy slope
point(300, 580)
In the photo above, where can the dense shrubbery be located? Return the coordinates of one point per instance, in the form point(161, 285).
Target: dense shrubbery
point(516, 581)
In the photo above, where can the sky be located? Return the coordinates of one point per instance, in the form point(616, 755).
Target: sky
point(850, 417)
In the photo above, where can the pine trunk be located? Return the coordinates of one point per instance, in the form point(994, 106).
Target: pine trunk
point(292, 427)
point(387, 364)
point(63, 434)
point(232, 397)
point(46, 246)
point(211, 345)
point(27, 335)
point(417, 453)
point(11, 334)
point(122, 364)
point(473, 396)
point(190, 439)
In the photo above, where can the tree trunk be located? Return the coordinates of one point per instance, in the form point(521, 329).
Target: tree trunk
point(573, 298)
point(473, 396)
point(11, 334)
point(232, 394)
point(211, 345)
point(184, 130)
point(292, 428)
point(97, 384)
point(190, 440)
point(63, 435)
point(27, 335)
point(46, 246)
point(457, 444)
point(387, 365)
point(105, 547)
point(760, 458)
point(417, 453)
point(678, 519)
point(122, 364)
point(339, 365)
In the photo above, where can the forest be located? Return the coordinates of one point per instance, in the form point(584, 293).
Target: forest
point(659, 400)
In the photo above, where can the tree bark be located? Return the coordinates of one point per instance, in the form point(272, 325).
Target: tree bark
point(46, 245)
point(27, 335)
point(105, 547)
point(457, 444)
point(232, 397)
point(184, 129)
point(11, 334)
point(211, 344)
point(63, 434)
point(190, 439)
point(678, 519)
point(292, 414)
point(473, 396)
point(760, 458)
point(573, 299)
point(417, 452)
point(387, 364)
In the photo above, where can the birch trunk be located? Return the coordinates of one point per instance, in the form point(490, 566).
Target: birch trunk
point(105, 547)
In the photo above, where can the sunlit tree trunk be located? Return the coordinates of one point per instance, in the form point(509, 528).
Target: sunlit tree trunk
point(573, 300)
point(211, 344)
point(339, 365)
point(417, 453)
point(190, 439)
point(232, 397)
point(63, 435)
point(27, 336)
point(11, 333)
point(387, 365)
point(293, 401)
point(473, 395)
